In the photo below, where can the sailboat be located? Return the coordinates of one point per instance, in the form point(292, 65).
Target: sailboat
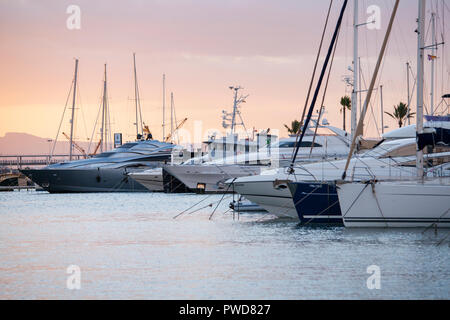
point(270, 189)
point(107, 171)
point(418, 203)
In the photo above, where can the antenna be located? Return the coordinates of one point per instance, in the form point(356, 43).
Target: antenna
point(229, 119)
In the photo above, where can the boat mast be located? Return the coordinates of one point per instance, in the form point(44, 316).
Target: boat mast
point(433, 54)
point(359, 128)
point(103, 130)
point(318, 85)
point(382, 111)
point(164, 107)
point(73, 108)
point(420, 69)
point(354, 108)
point(408, 97)
point(136, 96)
point(171, 116)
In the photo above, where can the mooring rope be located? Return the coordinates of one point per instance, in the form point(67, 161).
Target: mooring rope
point(354, 201)
point(437, 220)
point(210, 217)
point(372, 183)
point(192, 206)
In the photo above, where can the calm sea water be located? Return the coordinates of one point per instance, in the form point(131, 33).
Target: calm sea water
point(129, 246)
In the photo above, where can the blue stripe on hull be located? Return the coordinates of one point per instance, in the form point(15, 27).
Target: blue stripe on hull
point(316, 202)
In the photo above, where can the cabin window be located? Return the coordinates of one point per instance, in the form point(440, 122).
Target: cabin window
point(104, 155)
point(309, 144)
point(127, 145)
point(291, 144)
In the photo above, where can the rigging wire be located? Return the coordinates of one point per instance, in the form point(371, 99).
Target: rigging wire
point(372, 83)
point(93, 130)
point(82, 112)
point(303, 128)
point(62, 119)
point(322, 107)
point(319, 83)
point(100, 99)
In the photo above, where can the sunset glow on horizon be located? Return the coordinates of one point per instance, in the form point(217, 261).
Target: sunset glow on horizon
point(203, 47)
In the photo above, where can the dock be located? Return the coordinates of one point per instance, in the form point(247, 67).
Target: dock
point(10, 177)
point(21, 161)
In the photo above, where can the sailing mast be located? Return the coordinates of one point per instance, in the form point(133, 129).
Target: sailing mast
point(73, 109)
point(408, 97)
point(420, 69)
point(319, 84)
point(433, 54)
point(137, 99)
point(164, 108)
point(354, 108)
point(104, 130)
point(359, 128)
point(382, 109)
point(171, 116)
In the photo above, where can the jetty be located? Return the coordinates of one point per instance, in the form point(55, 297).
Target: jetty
point(22, 161)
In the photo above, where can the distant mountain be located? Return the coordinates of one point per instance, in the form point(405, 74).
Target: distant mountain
point(23, 143)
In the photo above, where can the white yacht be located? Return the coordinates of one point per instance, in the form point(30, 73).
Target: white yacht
point(420, 202)
point(217, 150)
point(330, 143)
point(271, 191)
point(414, 203)
point(152, 179)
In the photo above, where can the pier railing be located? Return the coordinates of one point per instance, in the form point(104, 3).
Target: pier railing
point(22, 161)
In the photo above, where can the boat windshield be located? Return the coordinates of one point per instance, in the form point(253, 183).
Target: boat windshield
point(127, 145)
point(291, 144)
point(104, 155)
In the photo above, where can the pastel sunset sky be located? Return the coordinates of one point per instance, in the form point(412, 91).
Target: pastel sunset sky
point(203, 46)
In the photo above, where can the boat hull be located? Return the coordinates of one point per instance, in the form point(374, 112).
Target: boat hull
point(209, 178)
point(275, 200)
point(246, 206)
point(316, 202)
point(84, 180)
point(397, 205)
point(153, 181)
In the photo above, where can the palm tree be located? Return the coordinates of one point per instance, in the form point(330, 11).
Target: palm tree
point(346, 103)
point(294, 128)
point(400, 113)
